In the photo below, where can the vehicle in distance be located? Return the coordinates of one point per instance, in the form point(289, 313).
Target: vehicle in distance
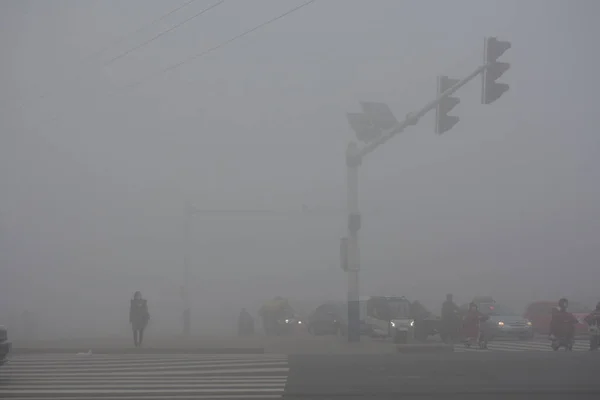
point(389, 317)
point(328, 319)
point(540, 315)
point(332, 318)
point(504, 322)
point(5, 345)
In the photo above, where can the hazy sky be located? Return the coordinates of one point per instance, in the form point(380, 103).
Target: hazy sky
point(95, 174)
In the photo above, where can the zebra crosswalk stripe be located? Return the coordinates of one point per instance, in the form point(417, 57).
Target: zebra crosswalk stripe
point(532, 345)
point(176, 376)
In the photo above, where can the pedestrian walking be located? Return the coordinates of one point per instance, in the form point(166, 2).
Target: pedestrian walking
point(138, 317)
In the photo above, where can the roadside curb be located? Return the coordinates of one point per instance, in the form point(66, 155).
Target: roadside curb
point(144, 350)
point(424, 348)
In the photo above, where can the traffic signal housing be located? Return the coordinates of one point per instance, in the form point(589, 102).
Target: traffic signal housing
point(492, 90)
point(443, 121)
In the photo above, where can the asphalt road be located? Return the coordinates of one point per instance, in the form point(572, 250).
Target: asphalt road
point(466, 375)
point(482, 375)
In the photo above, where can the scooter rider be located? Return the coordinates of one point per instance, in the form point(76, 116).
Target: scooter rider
point(562, 325)
point(472, 331)
point(594, 317)
point(593, 320)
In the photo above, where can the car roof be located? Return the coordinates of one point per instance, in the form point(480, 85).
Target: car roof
point(543, 302)
point(483, 299)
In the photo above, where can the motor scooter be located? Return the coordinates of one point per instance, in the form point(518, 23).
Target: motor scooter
point(594, 331)
point(558, 342)
point(480, 339)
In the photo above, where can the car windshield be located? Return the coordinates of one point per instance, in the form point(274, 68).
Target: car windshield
point(399, 309)
point(496, 309)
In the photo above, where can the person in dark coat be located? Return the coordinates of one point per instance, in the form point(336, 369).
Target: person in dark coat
point(138, 317)
point(563, 322)
point(450, 319)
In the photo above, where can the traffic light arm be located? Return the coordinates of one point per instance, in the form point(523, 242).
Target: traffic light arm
point(412, 118)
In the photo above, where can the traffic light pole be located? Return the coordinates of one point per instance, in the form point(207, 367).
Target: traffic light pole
point(413, 118)
point(352, 164)
point(354, 157)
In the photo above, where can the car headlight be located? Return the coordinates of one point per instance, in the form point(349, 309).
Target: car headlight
point(287, 321)
point(393, 324)
point(299, 322)
point(500, 323)
point(412, 323)
point(529, 323)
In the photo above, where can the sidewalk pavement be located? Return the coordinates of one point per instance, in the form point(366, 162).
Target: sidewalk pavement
point(295, 344)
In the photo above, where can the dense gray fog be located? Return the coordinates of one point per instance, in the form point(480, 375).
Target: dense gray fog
point(95, 173)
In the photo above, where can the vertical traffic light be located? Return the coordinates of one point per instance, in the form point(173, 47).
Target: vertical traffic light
point(443, 121)
point(492, 90)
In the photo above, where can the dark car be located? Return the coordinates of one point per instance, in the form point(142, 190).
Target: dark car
point(5, 345)
point(426, 324)
point(332, 318)
point(327, 319)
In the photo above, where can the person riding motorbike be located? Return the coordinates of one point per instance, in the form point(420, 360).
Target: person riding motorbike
point(593, 320)
point(472, 326)
point(450, 318)
point(562, 325)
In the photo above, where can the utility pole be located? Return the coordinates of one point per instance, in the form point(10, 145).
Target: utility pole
point(376, 125)
point(187, 312)
point(353, 161)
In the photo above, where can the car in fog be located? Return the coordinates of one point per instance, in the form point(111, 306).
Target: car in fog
point(504, 322)
point(289, 324)
point(540, 315)
point(5, 345)
point(332, 318)
point(328, 319)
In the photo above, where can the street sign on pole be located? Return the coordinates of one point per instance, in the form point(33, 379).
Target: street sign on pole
point(364, 128)
point(380, 115)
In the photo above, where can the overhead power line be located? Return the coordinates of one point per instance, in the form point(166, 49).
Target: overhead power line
point(220, 45)
point(125, 36)
point(163, 33)
point(112, 44)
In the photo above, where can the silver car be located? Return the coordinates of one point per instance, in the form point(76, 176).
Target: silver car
point(503, 322)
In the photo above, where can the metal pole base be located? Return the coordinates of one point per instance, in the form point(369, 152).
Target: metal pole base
point(353, 321)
